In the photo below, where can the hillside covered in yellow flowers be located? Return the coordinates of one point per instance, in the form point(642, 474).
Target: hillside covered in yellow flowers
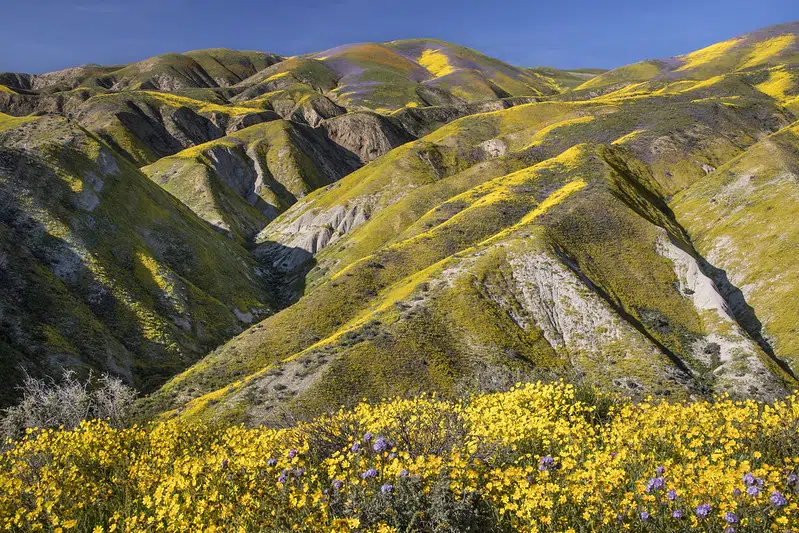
point(540, 457)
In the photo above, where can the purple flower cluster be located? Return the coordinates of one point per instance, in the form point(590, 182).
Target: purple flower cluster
point(369, 474)
point(753, 491)
point(677, 513)
point(751, 480)
point(703, 510)
point(671, 495)
point(655, 484)
point(292, 453)
point(388, 488)
point(271, 462)
point(730, 517)
point(381, 444)
point(547, 463)
point(337, 484)
point(777, 499)
point(286, 472)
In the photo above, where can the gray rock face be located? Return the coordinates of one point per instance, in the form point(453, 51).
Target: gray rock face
point(189, 128)
point(419, 121)
point(308, 234)
point(494, 147)
point(27, 104)
point(245, 121)
point(367, 135)
point(17, 80)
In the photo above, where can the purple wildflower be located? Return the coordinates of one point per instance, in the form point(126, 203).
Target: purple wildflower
point(792, 478)
point(392, 455)
point(225, 462)
point(355, 447)
point(671, 495)
point(753, 491)
point(749, 479)
point(644, 515)
point(677, 514)
point(777, 499)
point(369, 473)
point(620, 517)
point(404, 473)
point(703, 509)
point(292, 453)
point(381, 445)
point(388, 488)
point(299, 472)
point(546, 463)
point(271, 462)
point(655, 484)
point(282, 478)
point(736, 492)
point(730, 518)
point(659, 471)
point(337, 484)
point(368, 436)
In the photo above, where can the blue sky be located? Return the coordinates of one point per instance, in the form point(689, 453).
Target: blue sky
point(44, 35)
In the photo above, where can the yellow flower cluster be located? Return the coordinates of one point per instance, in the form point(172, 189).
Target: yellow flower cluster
point(535, 458)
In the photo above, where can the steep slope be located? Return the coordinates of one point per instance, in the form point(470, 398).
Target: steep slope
point(147, 125)
point(241, 182)
point(215, 67)
point(103, 270)
point(741, 218)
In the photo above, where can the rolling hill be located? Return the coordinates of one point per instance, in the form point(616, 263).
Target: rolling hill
point(245, 235)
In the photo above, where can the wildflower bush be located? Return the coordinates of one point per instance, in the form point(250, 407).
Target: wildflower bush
point(536, 458)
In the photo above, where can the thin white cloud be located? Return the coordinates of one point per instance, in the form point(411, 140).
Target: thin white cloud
point(99, 6)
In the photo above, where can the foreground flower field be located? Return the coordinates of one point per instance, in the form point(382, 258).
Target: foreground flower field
point(540, 457)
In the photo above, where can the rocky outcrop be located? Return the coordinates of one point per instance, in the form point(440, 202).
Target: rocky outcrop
point(365, 134)
point(64, 103)
point(308, 234)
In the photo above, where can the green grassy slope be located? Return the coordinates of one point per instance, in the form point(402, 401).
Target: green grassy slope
point(774, 49)
point(104, 270)
point(239, 183)
point(741, 217)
